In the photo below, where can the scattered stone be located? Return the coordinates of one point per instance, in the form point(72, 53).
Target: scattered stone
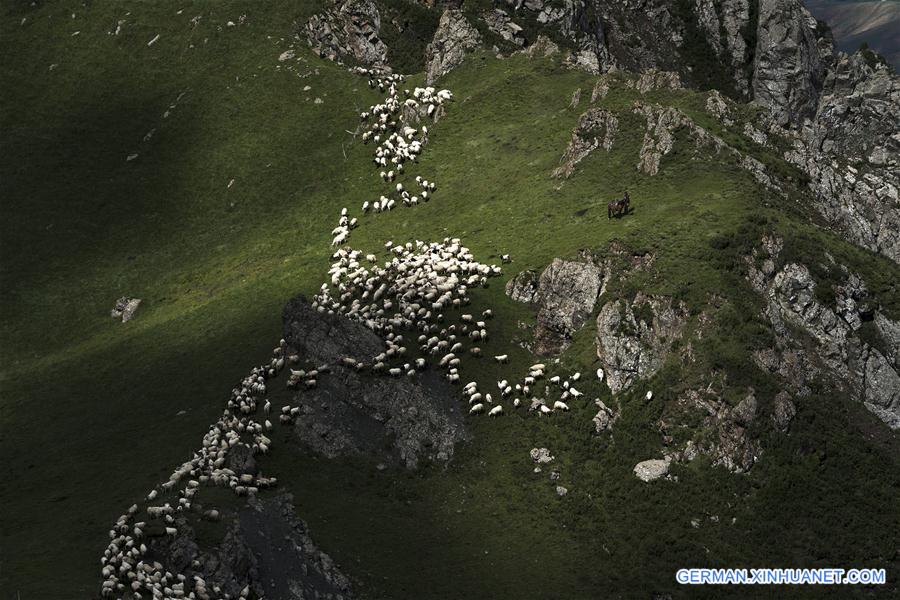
point(125, 308)
point(541, 455)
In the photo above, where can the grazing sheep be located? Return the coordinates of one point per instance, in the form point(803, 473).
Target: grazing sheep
point(502, 358)
point(496, 411)
point(476, 409)
point(560, 405)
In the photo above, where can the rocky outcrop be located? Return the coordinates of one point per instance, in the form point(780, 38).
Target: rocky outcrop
point(634, 338)
point(499, 22)
point(724, 435)
point(523, 287)
point(653, 469)
point(348, 31)
point(851, 153)
point(455, 37)
point(838, 355)
point(723, 24)
point(596, 128)
point(605, 417)
point(787, 70)
point(565, 294)
point(542, 47)
point(654, 79)
point(265, 548)
point(356, 412)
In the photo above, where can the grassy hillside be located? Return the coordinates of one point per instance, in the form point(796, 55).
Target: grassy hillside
point(93, 413)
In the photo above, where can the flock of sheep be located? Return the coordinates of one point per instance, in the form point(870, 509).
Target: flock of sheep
point(421, 290)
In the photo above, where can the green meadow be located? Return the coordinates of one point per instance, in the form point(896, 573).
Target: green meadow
point(225, 213)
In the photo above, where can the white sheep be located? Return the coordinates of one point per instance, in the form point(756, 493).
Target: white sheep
point(476, 409)
point(496, 411)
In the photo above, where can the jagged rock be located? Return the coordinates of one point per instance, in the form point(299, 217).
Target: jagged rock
point(756, 135)
point(523, 287)
point(654, 79)
point(596, 127)
point(604, 418)
point(783, 411)
point(658, 140)
point(542, 47)
point(454, 38)
point(717, 106)
point(663, 122)
point(631, 347)
point(600, 90)
point(725, 34)
point(576, 99)
point(745, 411)
point(787, 71)
point(500, 23)
point(724, 437)
point(838, 353)
point(541, 456)
point(567, 292)
point(357, 412)
point(856, 123)
point(125, 308)
point(348, 30)
point(653, 469)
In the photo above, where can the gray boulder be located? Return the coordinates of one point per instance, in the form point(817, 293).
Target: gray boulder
point(651, 470)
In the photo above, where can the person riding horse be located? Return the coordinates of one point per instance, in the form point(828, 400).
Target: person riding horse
point(618, 207)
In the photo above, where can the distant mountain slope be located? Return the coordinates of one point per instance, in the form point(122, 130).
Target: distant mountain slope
point(853, 23)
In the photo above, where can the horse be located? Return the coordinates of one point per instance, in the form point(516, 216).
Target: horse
point(618, 207)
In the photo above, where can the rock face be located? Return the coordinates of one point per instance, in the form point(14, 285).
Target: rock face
point(634, 338)
point(596, 127)
point(855, 124)
point(352, 412)
point(787, 71)
point(565, 293)
point(348, 30)
point(454, 38)
point(838, 353)
point(724, 28)
point(651, 470)
point(265, 548)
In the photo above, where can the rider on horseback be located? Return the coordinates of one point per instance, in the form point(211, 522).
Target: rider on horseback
point(618, 207)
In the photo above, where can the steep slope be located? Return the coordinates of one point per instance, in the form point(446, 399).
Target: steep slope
point(96, 412)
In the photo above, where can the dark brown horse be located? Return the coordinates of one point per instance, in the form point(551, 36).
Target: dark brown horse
point(619, 207)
